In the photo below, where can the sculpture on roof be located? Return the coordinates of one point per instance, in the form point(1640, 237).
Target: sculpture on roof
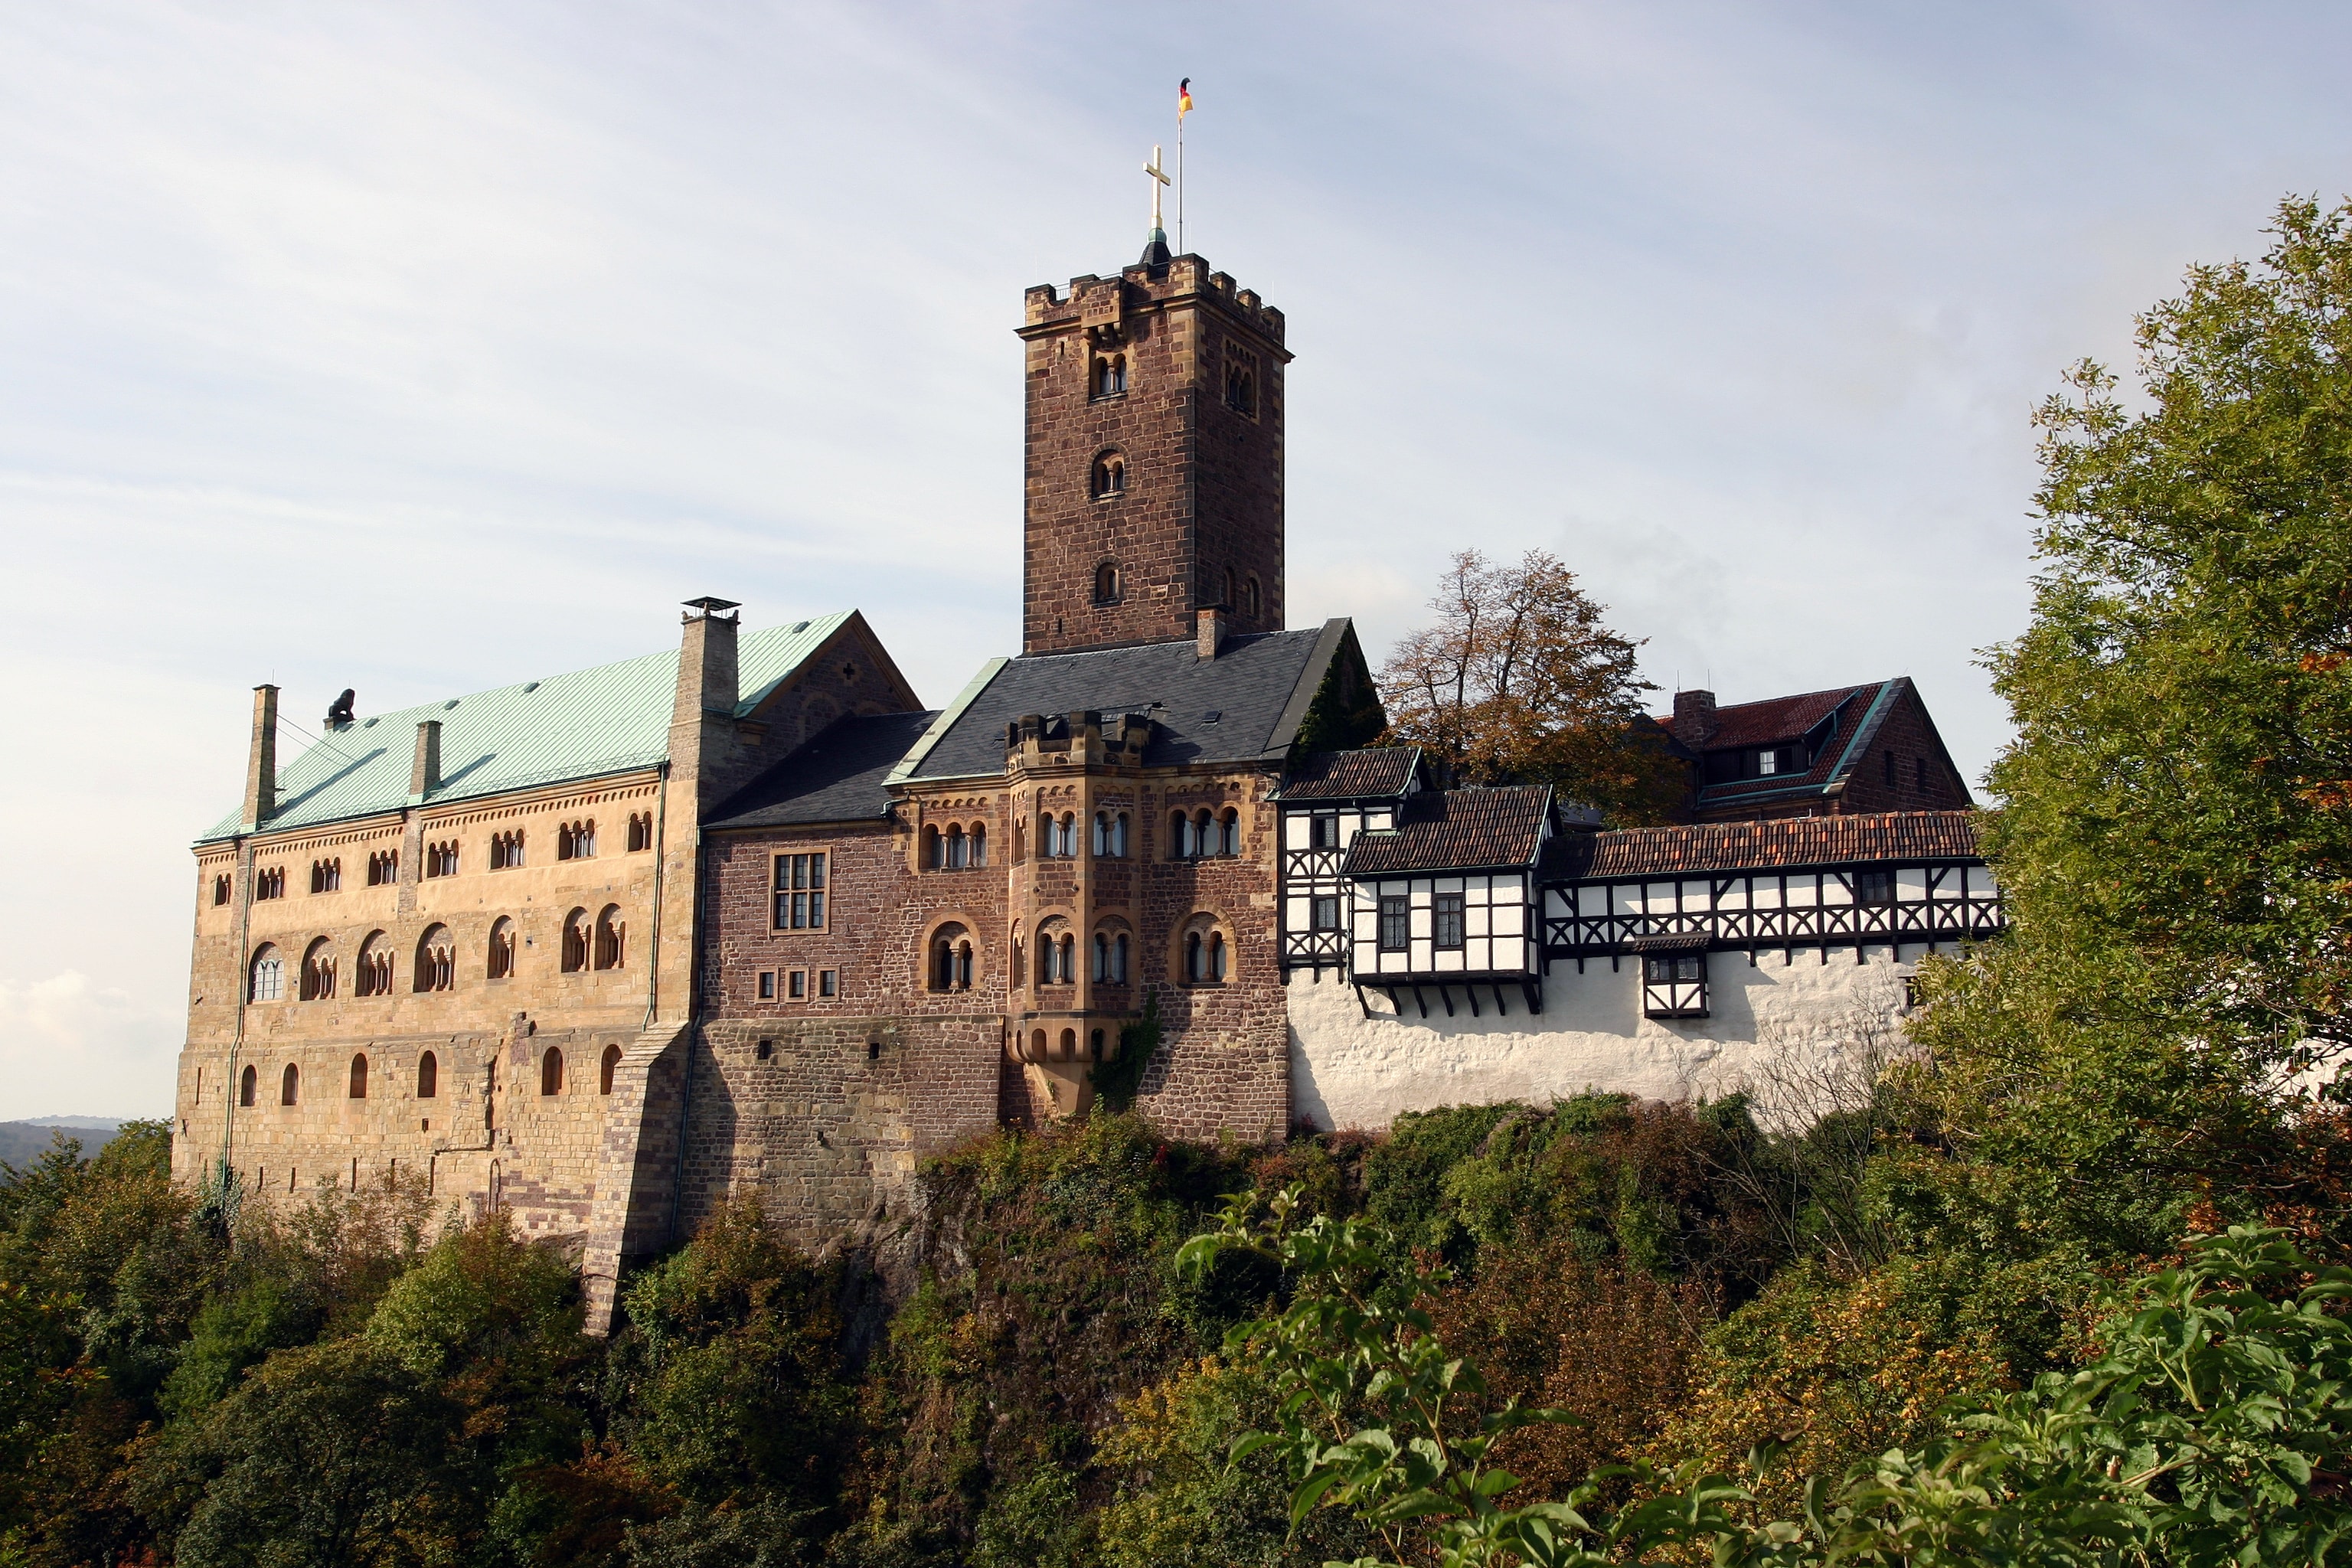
point(340, 713)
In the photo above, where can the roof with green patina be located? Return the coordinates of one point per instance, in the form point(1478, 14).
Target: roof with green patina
point(583, 725)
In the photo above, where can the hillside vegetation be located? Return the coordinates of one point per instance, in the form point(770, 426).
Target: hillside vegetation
point(1967, 1317)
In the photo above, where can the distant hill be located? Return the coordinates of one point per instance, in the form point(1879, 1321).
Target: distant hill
point(22, 1143)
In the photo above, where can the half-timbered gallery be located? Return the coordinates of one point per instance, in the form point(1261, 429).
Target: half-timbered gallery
point(605, 948)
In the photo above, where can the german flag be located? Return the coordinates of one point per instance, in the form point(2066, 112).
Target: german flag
point(1183, 99)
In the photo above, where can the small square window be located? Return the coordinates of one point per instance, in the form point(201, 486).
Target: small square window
point(767, 986)
point(1325, 832)
point(1873, 888)
point(828, 982)
point(796, 985)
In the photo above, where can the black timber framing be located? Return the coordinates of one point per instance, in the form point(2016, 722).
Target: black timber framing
point(1939, 918)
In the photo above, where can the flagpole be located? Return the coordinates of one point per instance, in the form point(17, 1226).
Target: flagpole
point(1179, 182)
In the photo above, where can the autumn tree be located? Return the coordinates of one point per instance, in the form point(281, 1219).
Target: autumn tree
point(1519, 681)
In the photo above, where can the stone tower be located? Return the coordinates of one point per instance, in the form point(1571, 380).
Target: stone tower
point(1153, 468)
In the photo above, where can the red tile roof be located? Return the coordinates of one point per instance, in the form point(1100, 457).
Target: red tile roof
point(1760, 845)
point(1773, 718)
point(1456, 829)
point(1350, 775)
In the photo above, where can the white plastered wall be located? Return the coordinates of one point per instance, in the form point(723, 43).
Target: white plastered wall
point(1795, 1032)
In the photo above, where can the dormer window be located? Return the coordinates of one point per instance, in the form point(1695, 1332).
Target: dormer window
point(1110, 475)
point(1775, 760)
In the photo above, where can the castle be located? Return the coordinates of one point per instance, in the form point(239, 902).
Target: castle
point(602, 949)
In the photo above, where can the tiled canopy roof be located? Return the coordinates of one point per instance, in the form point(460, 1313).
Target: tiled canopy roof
point(582, 725)
point(834, 776)
point(1350, 775)
point(1764, 846)
point(1456, 829)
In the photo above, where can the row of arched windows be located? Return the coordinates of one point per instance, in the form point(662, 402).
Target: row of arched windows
point(1192, 835)
point(955, 847)
point(601, 943)
point(1203, 835)
point(428, 1077)
point(1203, 956)
point(575, 840)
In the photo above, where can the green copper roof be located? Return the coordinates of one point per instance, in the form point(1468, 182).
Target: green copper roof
point(590, 723)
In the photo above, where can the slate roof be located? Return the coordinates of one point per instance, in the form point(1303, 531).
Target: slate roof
point(581, 725)
point(1455, 830)
point(837, 775)
point(1244, 705)
point(1377, 773)
point(1785, 842)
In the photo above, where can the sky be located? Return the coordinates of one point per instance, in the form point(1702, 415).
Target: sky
point(425, 348)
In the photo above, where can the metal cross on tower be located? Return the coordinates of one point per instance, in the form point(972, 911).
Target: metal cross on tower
point(1158, 180)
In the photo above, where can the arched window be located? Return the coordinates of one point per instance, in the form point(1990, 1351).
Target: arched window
point(375, 966)
point(318, 972)
point(1192, 956)
point(550, 1071)
point(612, 938)
point(428, 1076)
point(1118, 961)
point(641, 831)
point(1241, 389)
point(437, 967)
point(1204, 955)
point(502, 948)
point(935, 848)
point(575, 840)
point(948, 965)
point(1181, 841)
point(1217, 957)
point(575, 941)
point(1206, 837)
point(290, 1085)
point(1226, 598)
point(605, 1069)
point(359, 1074)
point(1102, 956)
point(246, 1087)
point(1106, 583)
point(1101, 834)
point(1069, 958)
point(506, 849)
point(1110, 376)
point(1230, 836)
point(1119, 836)
point(959, 850)
point(267, 981)
point(1109, 474)
point(1069, 1045)
point(1020, 840)
point(1253, 598)
point(980, 844)
point(1019, 975)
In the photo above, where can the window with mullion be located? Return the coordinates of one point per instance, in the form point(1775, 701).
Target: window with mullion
point(800, 890)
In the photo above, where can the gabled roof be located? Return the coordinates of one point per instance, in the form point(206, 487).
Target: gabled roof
point(1840, 723)
point(580, 725)
point(1774, 719)
point(1375, 773)
point(1772, 845)
point(837, 775)
point(1456, 830)
point(1244, 705)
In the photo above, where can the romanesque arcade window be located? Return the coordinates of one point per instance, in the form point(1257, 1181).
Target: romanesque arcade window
point(953, 847)
point(1109, 377)
point(951, 962)
point(326, 876)
point(358, 1089)
point(221, 886)
point(1206, 956)
point(612, 938)
point(1203, 834)
point(436, 968)
point(441, 859)
point(1111, 957)
point(575, 941)
point(374, 977)
point(1241, 388)
point(1106, 583)
point(641, 831)
point(506, 849)
point(1057, 952)
point(267, 982)
point(575, 840)
point(290, 1085)
point(501, 964)
point(1110, 835)
point(428, 1076)
point(550, 1071)
point(1057, 836)
point(606, 1069)
point(1109, 477)
point(269, 883)
point(318, 982)
point(384, 868)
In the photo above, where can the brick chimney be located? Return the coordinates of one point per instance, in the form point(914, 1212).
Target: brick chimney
point(424, 774)
point(261, 760)
point(1209, 629)
point(702, 715)
point(1695, 720)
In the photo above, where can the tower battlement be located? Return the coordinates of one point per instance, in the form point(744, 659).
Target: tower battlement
point(1183, 277)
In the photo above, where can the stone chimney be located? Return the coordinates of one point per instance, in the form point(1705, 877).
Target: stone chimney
point(261, 760)
point(424, 774)
point(702, 715)
point(1695, 720)
point(1209, 629)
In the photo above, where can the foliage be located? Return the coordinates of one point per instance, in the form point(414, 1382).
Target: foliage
point(1118, 1080)
point(1518, 681)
